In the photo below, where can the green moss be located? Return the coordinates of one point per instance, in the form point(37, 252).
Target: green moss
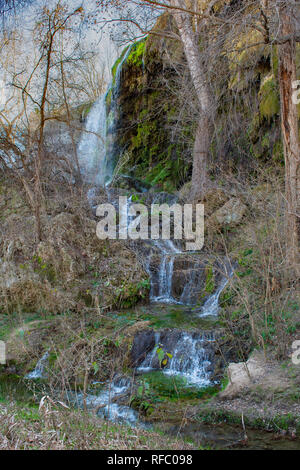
point(210, 280)
point(162, 316)
point(118, 61)
point(145, 131)
point(227, 297)
point(137, 53)
point(162, 386)
point(269, 98)
point(129, 294)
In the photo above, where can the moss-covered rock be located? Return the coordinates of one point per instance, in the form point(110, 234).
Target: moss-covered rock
point(146, 113)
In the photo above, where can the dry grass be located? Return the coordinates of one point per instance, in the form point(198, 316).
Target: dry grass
point(54, 428)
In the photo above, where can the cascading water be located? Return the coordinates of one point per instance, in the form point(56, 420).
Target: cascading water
point(112, 119)
point(40, 370)
point(105, 404)
point(211, 305)
point(92, 146)
point(165, 272)
point(191, 356)
point(94, 150)
point(96, 157)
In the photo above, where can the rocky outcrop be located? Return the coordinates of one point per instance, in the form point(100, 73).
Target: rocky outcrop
point(255, 372)
point(230, 214)
point(143, 343)
point(155, 151)
point(194, 277)
point(157, 116)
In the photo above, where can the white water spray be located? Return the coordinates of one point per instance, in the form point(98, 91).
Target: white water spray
point(190, 359)
point(40, 370)
point(92, 146)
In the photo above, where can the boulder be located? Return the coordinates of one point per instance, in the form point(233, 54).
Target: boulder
point(230, 214)
point(242, 374)
point(143, 343)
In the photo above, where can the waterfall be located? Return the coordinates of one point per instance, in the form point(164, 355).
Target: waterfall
point(165, 272)
point(40, 370)
point(174, 279)
point(211, 305)
point(113, 117)
point(190, 359)
point(92, 145)
point(95, 153)
point(191, 356)
point(164, 287)
point(97, 158)
point(115, 86)
point(165, 280)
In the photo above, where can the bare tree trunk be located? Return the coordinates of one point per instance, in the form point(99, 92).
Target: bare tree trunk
point(291, 145)
point(41, 149)
point(189, 37)
point(71, 130)
point(200, 178)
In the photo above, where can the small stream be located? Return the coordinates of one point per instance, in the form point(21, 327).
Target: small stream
point(190, 355)
point(105, 401)
point(176, 279)
point(216, 436)
point(228, 437)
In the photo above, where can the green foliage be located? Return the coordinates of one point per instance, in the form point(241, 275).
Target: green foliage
point(45, 270)
point(269, 98)
point(129, 294)
point(227, 297)
point(117, 62)
point(245, 261)
point(95, 367)
point(136, 55)
point(162, 387)
point(163, 357)
point(159, 173)
point(210, 280)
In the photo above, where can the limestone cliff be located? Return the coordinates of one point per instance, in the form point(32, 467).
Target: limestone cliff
point(156, 117)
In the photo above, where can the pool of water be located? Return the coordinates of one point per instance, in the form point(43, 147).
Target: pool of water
point(224, 436)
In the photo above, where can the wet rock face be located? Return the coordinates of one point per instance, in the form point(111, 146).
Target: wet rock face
point(145, 109)
point(143, 343)
point(188, 274)
point(190, 278)
point(170, 340)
